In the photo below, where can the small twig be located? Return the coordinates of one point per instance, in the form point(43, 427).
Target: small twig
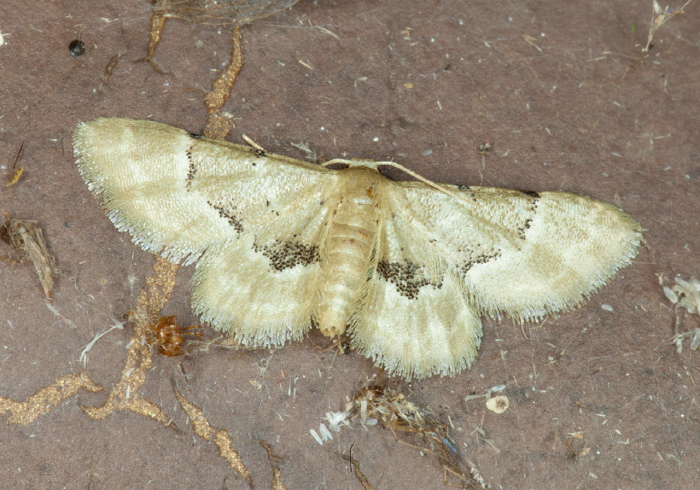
point(660, 17)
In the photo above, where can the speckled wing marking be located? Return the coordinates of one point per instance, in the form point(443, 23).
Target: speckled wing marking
point(227, 207)
point(407, 267)
point(179, 195)
point(525, 254)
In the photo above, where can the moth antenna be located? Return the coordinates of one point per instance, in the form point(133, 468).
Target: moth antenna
point(373, 164)
point(426, 181)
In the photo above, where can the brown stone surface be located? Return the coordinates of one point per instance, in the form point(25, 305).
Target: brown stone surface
point(420, 82)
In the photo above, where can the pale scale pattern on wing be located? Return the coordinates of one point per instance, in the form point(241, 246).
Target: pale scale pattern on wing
point(144, 172)
point(493, 252)
point(439, 261)
point(527, 253)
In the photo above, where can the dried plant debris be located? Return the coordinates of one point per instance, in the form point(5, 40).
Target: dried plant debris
point(382, 405)
point(16, 171)
point(110, 67)
point(355, 465)
point(27, 238)
point(84, 353)
point(323, 433)
point(231, 13)
point(485, 148)
point(406, 268)
point(575, 447)
point(659, 18)
point(221, 12)
point(685, 294)
point(46, 399)
point(168, 337)
point(487, 394)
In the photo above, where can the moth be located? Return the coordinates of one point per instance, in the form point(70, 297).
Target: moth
point(405, 269)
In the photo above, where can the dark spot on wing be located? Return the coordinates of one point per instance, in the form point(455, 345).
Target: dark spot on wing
point(408, 277)
point(195, 136)
point(285, 255)
point(191, 172)
point(258, 151)
point(192, 169)
point(534, 194)
point(479, 259)
point(533, 209)
point(468, 192)
point(522, 229)
point(228, 214)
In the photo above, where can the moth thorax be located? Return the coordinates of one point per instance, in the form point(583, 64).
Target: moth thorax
point(346, 260)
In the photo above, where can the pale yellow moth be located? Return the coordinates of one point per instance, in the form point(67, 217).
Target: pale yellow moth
point(406, 269)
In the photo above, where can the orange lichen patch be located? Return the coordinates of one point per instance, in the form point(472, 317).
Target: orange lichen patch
point(276, 472)
point(218, 126)
point(26, 237)
point(125, 394)
point(47, 398)
point(157, 25)
point(221, 87)
point(277, 479)
point(168, 337)
point(222, 439)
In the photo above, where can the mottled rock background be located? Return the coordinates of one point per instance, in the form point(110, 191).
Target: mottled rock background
point(577, 108)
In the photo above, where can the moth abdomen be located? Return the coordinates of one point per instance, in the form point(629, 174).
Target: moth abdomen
point(348, 254)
